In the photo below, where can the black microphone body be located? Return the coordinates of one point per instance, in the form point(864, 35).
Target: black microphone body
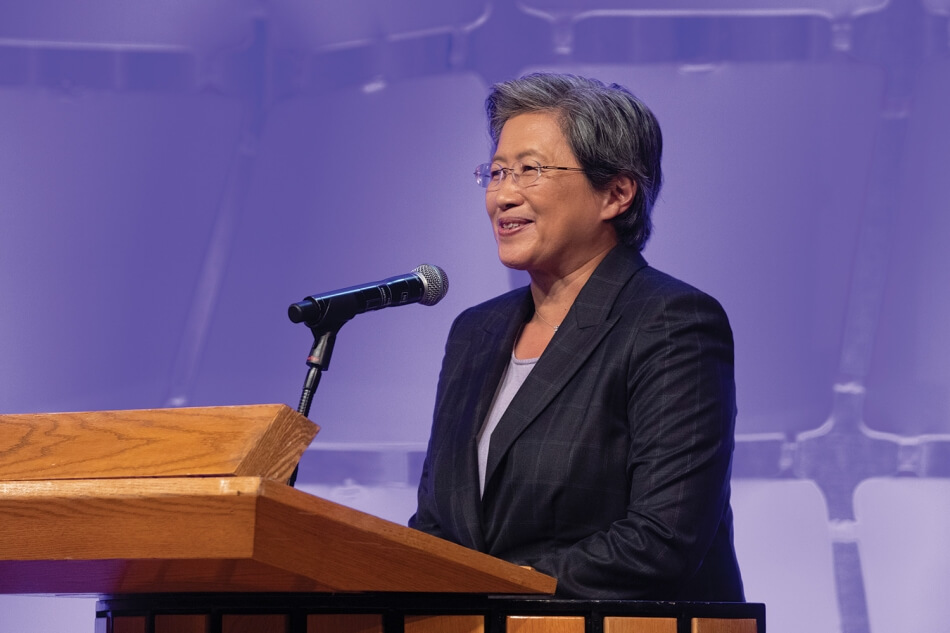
point(426, 284)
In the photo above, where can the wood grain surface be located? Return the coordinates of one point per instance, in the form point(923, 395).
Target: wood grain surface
point(258, 440)
point(377, 553)
point(719, 625)
point(545, 624)
point(443, 624)
point(234, 534)
point(345, 623)
point(624, 624)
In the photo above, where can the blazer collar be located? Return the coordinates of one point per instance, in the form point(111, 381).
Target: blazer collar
point(586, 324)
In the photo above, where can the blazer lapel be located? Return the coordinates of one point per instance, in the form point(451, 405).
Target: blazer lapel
point(587, 323)
point(491, 351)
point(499, 335)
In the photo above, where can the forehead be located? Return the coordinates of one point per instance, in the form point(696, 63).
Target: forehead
point(532, 135)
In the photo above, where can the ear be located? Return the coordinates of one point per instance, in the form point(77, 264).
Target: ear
point(617, 197)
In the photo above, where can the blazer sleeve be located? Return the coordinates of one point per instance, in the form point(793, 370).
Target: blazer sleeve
point(680, 407)
point(425, 519)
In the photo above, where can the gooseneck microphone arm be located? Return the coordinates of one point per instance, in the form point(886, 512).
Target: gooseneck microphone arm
point(326, 313)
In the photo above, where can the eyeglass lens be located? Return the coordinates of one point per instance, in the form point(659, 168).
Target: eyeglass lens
point(491, 175)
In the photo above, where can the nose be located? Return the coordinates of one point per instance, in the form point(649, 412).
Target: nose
point(506, 195)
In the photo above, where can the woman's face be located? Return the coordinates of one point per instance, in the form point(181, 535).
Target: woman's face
point(558, 224)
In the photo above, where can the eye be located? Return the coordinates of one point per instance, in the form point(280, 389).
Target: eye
point(496, 171)
point(530, 170)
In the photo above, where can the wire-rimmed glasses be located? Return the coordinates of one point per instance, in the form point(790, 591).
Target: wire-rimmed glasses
point(523, 173)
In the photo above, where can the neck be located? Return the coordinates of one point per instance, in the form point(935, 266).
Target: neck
point(554, 295)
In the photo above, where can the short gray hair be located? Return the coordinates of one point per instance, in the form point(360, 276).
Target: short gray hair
point(609, 130)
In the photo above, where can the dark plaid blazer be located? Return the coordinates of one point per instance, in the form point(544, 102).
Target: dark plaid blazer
point(610, 469)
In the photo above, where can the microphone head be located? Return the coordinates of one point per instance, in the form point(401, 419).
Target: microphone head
point(436, 283)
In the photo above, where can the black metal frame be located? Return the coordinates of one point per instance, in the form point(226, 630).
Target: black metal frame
point(394, 607)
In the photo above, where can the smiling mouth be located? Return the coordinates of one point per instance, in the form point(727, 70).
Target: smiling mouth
point(511, 225)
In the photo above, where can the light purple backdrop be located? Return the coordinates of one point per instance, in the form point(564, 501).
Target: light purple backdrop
point(173, 175)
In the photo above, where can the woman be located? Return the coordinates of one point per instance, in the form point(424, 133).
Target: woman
point(584, 425)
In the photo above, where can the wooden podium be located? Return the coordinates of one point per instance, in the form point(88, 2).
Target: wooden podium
point(180, 521)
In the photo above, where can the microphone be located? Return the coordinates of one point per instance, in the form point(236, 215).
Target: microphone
point(426, 284)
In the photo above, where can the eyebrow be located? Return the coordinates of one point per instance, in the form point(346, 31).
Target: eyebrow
point(522, 154)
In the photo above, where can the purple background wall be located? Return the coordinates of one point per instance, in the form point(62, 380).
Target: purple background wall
point(173, 175)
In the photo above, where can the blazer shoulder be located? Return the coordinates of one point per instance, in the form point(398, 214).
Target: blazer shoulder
point(662, 289)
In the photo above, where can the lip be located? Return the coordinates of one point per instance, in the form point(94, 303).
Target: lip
point(511, 225)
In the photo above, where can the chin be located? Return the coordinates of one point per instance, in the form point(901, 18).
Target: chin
point(514, 263)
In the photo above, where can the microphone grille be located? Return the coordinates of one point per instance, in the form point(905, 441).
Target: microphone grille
point(436, 283)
